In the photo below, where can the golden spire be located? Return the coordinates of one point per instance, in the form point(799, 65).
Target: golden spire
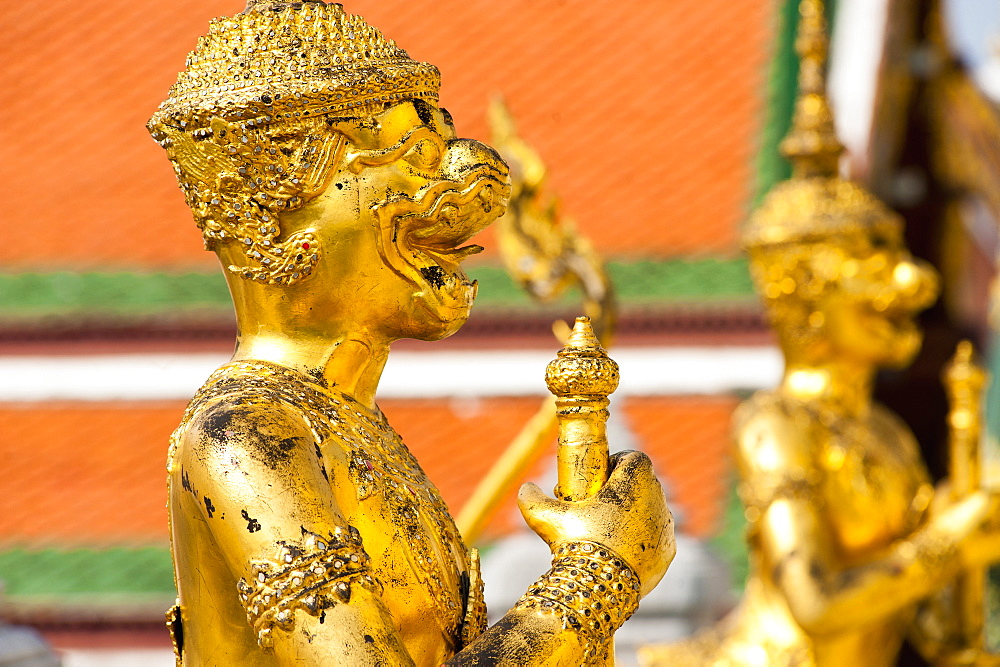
point(815, 205)
point(812, 145)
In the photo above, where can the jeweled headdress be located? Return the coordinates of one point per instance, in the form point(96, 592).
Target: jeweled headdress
point(815, 204)
point(289, 60)
point(245, 123)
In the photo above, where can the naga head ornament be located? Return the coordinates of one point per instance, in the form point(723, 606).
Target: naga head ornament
point(250, 123)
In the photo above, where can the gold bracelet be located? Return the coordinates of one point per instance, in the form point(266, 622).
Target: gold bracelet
point(590, 589)
point(314, 575)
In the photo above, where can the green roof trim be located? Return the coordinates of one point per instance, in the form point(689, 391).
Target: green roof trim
point(28, 573)
point(730, 542)
point(30, 296)
point(27, 295)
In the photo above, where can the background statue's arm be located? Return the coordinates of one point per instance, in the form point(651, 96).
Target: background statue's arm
point(796, 544)
point(824, 595)
point(299, 570)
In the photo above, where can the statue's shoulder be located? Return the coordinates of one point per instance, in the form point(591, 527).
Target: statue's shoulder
point(247, 408)
point(775, 448)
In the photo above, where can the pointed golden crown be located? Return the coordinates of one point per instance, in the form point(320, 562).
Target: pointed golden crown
point(815, 204)
point(284, 60)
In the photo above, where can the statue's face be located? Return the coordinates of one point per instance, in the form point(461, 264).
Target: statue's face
point(868, 313)
point(394, 219)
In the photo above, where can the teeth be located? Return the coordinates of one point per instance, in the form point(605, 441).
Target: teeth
point(439, 232)
point(486, 198)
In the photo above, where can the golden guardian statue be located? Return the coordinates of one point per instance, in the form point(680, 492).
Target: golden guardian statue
point(321, 170)
point(847, 535)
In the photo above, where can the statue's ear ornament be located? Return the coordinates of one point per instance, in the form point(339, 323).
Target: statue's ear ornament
point(238, 181)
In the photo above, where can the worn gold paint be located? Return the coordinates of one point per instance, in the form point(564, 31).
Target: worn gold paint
point(337, 195)
point(847, 536)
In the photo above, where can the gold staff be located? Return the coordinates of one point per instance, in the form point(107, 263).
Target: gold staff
point(582, 377)
point(964, 383)
point(546, 256)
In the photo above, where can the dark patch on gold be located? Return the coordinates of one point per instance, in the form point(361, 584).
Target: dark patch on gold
point(253, 525)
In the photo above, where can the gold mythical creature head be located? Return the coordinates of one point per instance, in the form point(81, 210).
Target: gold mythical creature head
point(828, 258)
point(305, 142)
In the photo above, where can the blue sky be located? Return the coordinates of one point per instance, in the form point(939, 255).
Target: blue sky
point(974, 25)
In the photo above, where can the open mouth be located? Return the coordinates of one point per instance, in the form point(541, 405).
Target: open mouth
point(430, 240)
point(454, 218)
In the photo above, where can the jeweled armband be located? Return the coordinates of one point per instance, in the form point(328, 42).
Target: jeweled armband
point(590, 589)
point(313, 575)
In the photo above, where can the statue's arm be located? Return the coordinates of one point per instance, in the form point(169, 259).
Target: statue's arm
point(608, 551)
point(797, 546)
point(299, 570)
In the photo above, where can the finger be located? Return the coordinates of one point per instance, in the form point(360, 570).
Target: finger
point(617, 457)
point(629, 460)
point(631, 470)
point(540, 511)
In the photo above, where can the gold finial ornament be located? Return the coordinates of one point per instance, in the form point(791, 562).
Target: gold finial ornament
point(965, 384)
point(812, 145)
point(582, 377)
point(848, 539)
point(815, 204)
point(340, 200)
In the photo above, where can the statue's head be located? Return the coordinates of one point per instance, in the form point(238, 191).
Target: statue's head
point(827, 257)
point(313, 154)
point(834, 273)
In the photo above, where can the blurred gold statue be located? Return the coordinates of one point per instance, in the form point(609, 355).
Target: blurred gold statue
point(321, 170)
point(846, 534)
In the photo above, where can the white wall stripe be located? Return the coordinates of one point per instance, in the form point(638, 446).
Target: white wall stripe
point(148, 377)
point(856, 52)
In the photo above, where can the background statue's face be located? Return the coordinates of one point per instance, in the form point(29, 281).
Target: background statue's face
point(395, 215)
point(868, 312)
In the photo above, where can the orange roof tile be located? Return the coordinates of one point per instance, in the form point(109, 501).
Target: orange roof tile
point(646, 114)
point(688, 439)
point(94, 473)
point(85, 473)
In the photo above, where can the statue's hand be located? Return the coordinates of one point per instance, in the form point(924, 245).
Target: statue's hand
point(629, 515)
point(974, 523)
point(981, 546)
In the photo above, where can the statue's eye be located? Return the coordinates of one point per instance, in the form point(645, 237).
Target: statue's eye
point(424, 155)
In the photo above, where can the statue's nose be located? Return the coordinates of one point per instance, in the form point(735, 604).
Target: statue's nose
point(465, 156)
